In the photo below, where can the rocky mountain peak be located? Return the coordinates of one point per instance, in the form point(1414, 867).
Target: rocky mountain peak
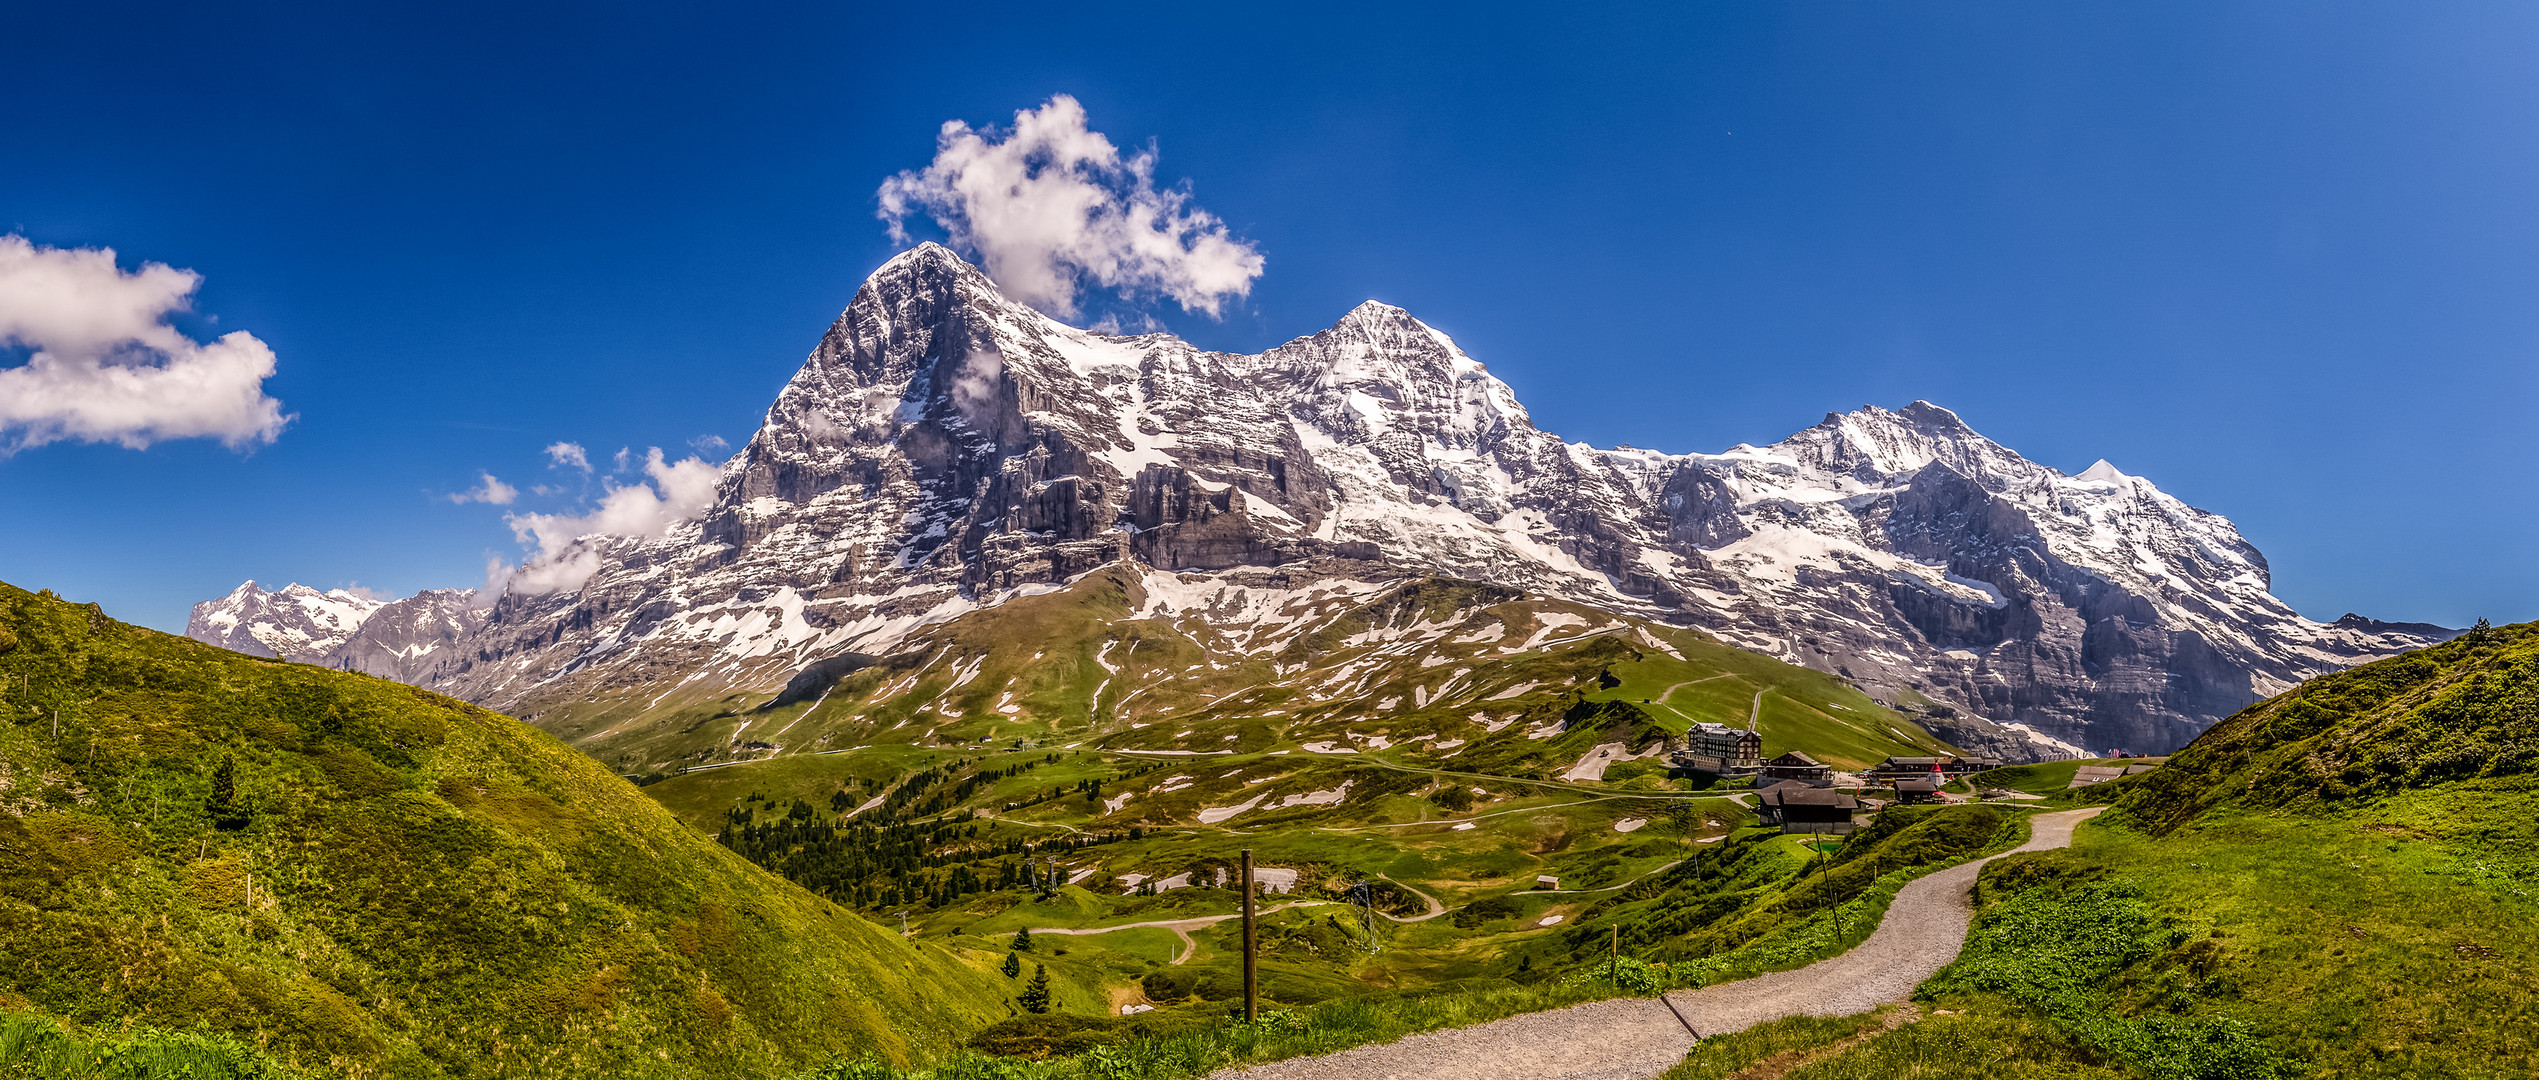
point(295, 622)
point(945, 448)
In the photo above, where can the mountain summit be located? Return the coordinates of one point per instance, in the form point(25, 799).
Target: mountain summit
point(945, 448)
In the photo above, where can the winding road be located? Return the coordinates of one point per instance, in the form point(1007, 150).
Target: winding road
point(1638, 1038)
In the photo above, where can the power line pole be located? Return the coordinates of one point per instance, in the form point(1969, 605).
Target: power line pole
point(1251, 947)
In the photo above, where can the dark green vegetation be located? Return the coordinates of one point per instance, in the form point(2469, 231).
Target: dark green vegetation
point(34, 1047)
point(360, 878)
point(906, 849)
point(2339, 882)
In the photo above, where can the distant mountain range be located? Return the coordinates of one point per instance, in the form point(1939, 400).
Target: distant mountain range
point(410, 640)
point(946, 449)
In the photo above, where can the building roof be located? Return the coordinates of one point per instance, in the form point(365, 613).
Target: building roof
point(1796, 757)
point(1902, 786)
point(1793, 793)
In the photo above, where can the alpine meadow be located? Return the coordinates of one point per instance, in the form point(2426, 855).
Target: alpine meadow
point(841, 542)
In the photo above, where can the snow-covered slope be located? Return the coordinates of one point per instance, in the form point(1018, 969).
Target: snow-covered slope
point(945, 448)
point(294, 622)
point(407, 640)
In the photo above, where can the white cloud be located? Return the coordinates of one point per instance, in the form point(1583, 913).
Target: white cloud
point(709, 444)
point(1052, 202)
point(673, 492)
point(488, 490)
point(106, 366)
point(977, 385)
point(564, 453)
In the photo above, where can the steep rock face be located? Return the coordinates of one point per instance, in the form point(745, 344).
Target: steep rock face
point(412, 640)
point(944, 448)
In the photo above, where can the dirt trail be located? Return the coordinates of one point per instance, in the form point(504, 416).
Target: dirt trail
point(1436, 907)
point(1638, 1038)
point(1181, 928)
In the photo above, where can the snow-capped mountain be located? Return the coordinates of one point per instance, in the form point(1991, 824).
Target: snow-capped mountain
point(945, 448)
point(407, 640)
point(294, 622)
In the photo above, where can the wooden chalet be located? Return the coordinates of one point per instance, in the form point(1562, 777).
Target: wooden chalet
point(1796, 765)
point(1797, 807)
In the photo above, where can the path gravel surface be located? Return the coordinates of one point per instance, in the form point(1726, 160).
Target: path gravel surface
point(1637, 1038)
point(1923, 930)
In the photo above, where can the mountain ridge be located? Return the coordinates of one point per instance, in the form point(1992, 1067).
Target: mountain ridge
point(945, 447)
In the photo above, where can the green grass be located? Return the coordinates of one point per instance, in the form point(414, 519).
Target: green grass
point(1989, 1044)
point(2338, 882)
point(1780, 1043)
point(34, 1047)
point(399, 884)
point(1802, 709)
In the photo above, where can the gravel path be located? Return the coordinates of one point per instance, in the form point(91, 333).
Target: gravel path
point(1637, 1038)
point(1923, 930)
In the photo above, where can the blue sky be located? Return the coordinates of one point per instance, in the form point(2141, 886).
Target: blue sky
point(2278, 258)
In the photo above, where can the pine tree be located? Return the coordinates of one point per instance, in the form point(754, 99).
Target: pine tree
point(1022, 940)
point(1035, 997)
point(223, 805)
point(1013, 965)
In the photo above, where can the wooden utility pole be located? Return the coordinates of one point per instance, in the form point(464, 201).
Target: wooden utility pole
point(1251, 947)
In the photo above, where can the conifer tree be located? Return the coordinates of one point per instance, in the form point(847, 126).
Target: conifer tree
point(1022, 940)
point(1035, 997)
point(1013, 964)
point(223, 805)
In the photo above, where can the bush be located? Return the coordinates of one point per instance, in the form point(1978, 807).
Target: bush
point(1487, 910)
point(1455, 797)
point(1167, 985)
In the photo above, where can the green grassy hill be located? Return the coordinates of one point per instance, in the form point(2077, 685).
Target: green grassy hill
point(359, 878)
point(1430, 732)
point(2342, 881)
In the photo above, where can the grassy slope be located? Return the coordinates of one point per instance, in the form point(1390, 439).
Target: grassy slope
point(1802, 709)
point(1345, 684)
point(2338, 882)
point(418, 888)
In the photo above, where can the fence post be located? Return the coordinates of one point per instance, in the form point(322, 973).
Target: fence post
point(1251, 945)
